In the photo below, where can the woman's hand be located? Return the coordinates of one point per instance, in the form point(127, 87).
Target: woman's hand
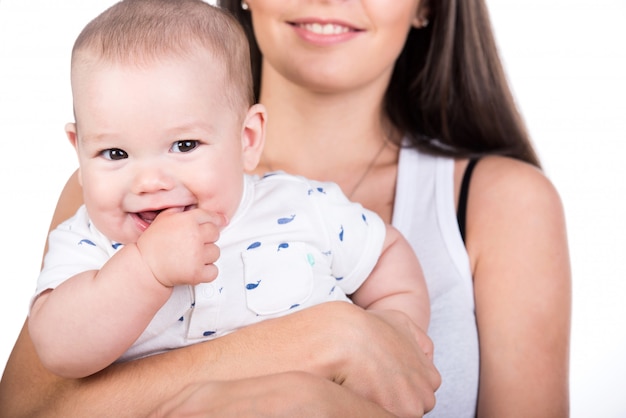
point(281, 395)
point(391, 363)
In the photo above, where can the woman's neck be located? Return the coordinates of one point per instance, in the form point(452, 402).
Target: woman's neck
point(321, 135)
point(341, 137)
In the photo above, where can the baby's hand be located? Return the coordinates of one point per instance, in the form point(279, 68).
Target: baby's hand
point(179, 247)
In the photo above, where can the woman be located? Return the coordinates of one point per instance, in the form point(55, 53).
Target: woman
point(346, 84)
point(346, 89)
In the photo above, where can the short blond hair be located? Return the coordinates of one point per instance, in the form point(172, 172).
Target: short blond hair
point(142, 31)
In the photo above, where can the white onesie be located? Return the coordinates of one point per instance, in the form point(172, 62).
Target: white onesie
point(292, 243)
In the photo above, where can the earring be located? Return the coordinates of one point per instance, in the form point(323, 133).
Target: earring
point(420, 22)
point(244, 5)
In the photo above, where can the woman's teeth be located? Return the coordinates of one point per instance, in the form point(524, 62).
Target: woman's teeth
point(324, 29)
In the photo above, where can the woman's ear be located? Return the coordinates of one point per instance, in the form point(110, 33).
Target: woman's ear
point(71, 132)
point(421, 18)
point(253, 136)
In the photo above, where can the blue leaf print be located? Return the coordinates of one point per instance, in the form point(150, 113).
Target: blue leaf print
point(364, 218)
point(256, 244)
point(116, 245)
point(208, 333)
point(339, 278)
point(283, 221)
point(294, 306)
point(252, 286)
point(341, 234)
point(282, 246)
point(86, 241)
point(321, 190)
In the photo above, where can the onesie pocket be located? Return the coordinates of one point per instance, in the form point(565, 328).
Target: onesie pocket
point(277, 276)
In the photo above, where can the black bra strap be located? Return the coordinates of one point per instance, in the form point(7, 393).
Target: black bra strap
point(461, 211)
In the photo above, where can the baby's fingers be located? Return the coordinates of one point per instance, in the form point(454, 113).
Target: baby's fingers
point(207, 274)
point(208, 271)
point(209, 232)
point(203, 217)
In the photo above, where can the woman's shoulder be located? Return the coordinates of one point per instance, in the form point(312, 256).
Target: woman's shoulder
point(510, 201)
point(507, 181)
point(497, 182)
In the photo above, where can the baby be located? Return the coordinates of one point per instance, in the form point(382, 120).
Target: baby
point(165, 131)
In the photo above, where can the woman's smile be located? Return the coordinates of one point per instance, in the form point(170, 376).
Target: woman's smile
point(324, 32)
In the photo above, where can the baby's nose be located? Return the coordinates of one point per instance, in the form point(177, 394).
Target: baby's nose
point(152, 179)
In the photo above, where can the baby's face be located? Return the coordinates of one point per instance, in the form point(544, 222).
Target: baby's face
point(154, 137)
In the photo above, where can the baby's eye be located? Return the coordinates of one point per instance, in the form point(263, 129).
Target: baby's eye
point(114, 154)
point(186, 145)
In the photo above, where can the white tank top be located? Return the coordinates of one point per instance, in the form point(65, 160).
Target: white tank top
point(424, 211)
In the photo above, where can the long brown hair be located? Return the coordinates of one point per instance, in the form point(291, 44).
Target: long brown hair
point(448, 93)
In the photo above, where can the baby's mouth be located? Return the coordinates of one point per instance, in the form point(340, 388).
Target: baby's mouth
point(148, 216)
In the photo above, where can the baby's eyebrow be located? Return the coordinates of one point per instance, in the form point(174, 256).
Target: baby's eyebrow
point(97, 137)
point(190, 127)
point(98, 142)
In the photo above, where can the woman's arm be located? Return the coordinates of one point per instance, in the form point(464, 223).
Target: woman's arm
point(517, 242)
point(70, 200)
point(308, 396)
point(375, 356)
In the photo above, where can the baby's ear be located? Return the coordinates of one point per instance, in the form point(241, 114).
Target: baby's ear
point(70, 131)
point(253, 136)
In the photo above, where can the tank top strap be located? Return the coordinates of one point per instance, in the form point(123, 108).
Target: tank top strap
point(461, 212)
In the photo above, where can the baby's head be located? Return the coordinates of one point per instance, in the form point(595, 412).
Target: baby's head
point(164, 114)
point(142, 32)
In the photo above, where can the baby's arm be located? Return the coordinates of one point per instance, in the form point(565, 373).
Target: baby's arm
point(397, 282)
point(88, 321)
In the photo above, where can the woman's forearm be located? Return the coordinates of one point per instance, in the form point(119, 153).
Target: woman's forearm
point(333, 341)
point(134, 388)
point(279, 395)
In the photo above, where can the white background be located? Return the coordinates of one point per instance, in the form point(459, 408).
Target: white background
point(566, 63)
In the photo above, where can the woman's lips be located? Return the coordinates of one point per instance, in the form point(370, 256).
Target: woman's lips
point(322, 32)
point(324, 28)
